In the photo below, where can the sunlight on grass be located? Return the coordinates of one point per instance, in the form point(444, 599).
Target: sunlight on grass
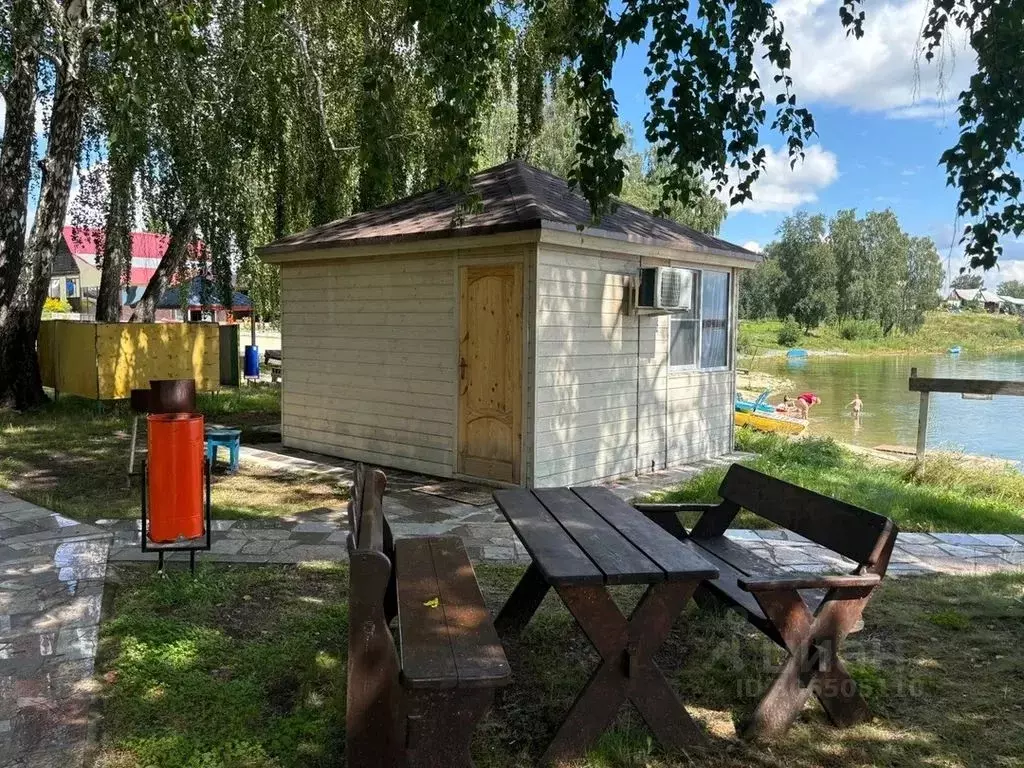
point(944, 494)
point(263, 683)
point(71, 456)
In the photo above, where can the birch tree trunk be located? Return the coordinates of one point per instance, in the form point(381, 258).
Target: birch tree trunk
point(177, 251)
point(21, 385)
point(16, 154)
point(116, 240)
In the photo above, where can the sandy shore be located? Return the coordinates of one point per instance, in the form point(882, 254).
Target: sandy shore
point(753, 383)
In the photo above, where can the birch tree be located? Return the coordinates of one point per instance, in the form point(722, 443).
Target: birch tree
point(71, 31)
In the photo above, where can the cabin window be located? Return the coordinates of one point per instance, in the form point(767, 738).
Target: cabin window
point(685, 330)
point(714, 320)
point(54, 292)
point(699, 338)
point(71, 286)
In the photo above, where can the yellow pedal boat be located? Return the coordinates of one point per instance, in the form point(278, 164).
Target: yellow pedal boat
point(764, 422)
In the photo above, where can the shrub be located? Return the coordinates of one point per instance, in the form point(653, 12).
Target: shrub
point(789, 333)
point(744, 341)
point(859, 329)
point(56, 305)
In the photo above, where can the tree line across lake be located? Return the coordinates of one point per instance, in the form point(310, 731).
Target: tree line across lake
point(866, 273)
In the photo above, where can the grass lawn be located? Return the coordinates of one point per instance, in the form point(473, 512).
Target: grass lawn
point(246, 667)
point(71, 456)
point(945, 494)
point(975, 332)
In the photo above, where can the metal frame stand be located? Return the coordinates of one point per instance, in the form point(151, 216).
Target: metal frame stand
point(207, 539)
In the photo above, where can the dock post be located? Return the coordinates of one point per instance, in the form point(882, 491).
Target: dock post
point(922, 420)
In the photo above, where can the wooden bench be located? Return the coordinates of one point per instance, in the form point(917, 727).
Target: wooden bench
point(272, 359)
point(807, 614)
point(416, 706)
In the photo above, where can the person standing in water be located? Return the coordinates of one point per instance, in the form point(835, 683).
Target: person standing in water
point(857, 405)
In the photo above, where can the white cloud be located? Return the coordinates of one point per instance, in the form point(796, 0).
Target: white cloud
point(753, 245)
point(781, 188)
point(883, 71)
point(1005, 271)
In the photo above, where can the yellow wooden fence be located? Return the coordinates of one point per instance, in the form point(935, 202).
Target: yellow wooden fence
point(105, 361)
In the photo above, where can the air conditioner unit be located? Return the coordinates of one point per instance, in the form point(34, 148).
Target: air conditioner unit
point(665, 289)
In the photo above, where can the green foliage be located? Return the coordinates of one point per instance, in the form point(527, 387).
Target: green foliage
point(1014, 288)
point(886, 246)
point(760, 289)
point(853, 286)
point(789, 333)
point(744, 341)
point(975, 331)
point(851, 330)
point(944, 494)
point(923, 281)
point(971, 280)
point(860, 270)
point(808, 266)
point(991, 116)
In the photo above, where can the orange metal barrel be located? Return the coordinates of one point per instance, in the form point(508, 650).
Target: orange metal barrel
point(175, 476)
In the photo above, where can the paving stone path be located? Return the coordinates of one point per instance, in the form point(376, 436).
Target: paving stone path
point(52, 571)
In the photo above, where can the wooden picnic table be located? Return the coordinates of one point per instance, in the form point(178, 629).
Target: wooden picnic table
point(582, 540)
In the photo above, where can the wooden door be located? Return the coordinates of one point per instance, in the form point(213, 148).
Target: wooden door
point(490, 371)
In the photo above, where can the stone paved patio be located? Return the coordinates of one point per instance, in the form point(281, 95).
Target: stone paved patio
point(52, 571)
point(319, 534)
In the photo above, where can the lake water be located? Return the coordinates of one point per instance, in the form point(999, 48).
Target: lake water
point(985, 427)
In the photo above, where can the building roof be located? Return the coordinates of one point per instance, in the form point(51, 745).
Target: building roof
point(964, 294)
point(84, 243)
point(985, 297)
point(513, 196)
point(172, 298)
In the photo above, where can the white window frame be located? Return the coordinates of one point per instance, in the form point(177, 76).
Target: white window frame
point(695, 367)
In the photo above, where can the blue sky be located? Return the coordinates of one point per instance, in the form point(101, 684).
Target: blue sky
point(883, 118)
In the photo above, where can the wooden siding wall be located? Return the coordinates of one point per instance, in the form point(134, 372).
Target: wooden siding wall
point(370, 356)
point(606, 403)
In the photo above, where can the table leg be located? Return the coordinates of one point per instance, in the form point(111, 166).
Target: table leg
point(627, 670)
point(131, 454)
point(522, 604)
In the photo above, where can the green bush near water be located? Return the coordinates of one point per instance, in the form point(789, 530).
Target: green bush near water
point(859, 329)
point(789, 334)
point(945, 493)
point(977, 333)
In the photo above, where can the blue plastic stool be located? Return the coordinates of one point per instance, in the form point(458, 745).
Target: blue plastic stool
point(228, 438)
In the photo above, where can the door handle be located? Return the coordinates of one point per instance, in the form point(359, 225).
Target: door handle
point(462, 368)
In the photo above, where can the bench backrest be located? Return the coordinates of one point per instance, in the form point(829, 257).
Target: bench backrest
point(374, 689)
point(862, 536)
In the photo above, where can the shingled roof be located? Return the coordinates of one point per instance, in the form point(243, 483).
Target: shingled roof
point(514, 196)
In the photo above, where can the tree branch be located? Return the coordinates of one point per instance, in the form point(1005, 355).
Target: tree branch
point(307, 61)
